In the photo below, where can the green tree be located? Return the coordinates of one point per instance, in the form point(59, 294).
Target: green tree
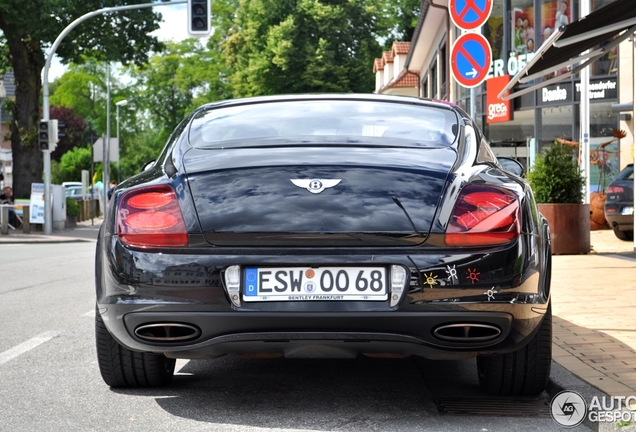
point(71, 165)
point(293, 46)
point(73, 130)
point(30, 27)
point(82, 88)
point(400, 17)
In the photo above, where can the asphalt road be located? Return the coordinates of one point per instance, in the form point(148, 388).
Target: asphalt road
point(50, 379)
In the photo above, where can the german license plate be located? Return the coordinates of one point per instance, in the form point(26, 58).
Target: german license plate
point(314, 284)
point(628, 211)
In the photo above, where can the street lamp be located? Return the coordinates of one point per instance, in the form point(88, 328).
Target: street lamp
point(117, 105)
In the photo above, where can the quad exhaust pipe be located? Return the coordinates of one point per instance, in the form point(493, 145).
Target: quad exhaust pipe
point(167, 332)
point(468, 332)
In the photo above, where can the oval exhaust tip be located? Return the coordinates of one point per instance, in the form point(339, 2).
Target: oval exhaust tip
point(167, 332)
point(467, 332)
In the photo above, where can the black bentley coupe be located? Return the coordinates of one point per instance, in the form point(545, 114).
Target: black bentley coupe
point(325, 226)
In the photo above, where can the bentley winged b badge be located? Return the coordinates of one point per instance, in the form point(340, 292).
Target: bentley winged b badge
point(315, 186)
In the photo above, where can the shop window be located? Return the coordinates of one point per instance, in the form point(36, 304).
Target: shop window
point(523, 27)
point(494, 31)
point(608, 64)
point(554, 14)
point(434, 89)
point(556, 122)
point(604, 148)
point(424, 89)
point(443, 72)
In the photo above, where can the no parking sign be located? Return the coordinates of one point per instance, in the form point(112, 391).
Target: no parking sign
point(470, 59)
point(469, 14)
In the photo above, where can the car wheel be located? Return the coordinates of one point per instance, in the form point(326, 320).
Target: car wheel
point(121, 367)
point(624, 235)
point(523, 372)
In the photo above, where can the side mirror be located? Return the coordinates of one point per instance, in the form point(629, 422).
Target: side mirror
point(511, 165)
point(147, 165)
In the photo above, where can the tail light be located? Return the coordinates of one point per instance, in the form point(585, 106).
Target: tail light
point(484, 216)
point(151, 217)
point(614, 189)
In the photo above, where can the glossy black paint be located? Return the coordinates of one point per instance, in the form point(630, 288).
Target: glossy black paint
point(240, 208)
point(616, 202)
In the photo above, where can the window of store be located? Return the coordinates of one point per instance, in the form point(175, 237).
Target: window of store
point(608, 64)
point(604, 149)
point(494, 30)
point(443, 72)
point(554, 14)
point(424, 88)
point(434, 88)
point(556, 122)
point(523, 26)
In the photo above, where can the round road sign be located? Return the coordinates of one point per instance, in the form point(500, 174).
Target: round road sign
point(470, 59)
point(469, 14)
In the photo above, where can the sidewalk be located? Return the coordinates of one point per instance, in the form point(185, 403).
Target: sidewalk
point(594, 308)
point(83, 231)
point(593, 304)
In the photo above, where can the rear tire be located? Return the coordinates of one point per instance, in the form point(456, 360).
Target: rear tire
point(624, 235)
point(523, 372)
point(121, 367)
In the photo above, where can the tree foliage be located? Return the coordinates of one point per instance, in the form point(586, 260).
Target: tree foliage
point(257, 47)
point(73, 130)
point(31, 27)
point(294, 46)
point(71, 165)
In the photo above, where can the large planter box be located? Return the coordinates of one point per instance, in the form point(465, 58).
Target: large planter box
point(569, 227)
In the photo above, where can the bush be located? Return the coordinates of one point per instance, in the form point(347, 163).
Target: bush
point(556, 176)
point(72, 207)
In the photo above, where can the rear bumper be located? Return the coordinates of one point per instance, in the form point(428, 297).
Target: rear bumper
point(329, 334)
point(501, 296)
point(622, 222)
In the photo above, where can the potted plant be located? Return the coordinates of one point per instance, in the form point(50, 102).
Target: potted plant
point(557, 183)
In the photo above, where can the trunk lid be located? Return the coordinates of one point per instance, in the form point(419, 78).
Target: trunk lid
point(264, 196)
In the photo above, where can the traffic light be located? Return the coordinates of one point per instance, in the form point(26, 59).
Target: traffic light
point(47, 135)
point(43, 135)
point(61, 127)
point(53, 139)
point(199, 18)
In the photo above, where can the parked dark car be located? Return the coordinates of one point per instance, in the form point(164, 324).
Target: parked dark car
point(619, 204)
point(325, 226)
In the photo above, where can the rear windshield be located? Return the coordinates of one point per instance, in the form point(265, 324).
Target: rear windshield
point(324, 122)
point(626, 174)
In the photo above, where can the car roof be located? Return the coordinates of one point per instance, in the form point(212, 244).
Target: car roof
point(333, 96)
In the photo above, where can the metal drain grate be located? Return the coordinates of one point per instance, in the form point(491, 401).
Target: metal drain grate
point(494, 407)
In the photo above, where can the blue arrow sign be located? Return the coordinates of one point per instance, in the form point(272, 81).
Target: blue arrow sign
point(470, 59)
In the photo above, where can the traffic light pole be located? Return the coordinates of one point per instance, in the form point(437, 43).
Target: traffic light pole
point(48, 209)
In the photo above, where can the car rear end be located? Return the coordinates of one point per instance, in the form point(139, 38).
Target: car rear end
point(327, 245)
point(619, 204)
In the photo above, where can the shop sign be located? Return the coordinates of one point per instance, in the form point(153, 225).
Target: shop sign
point(497, 110)
point(555, 94)
point(604, 89)
point(515, 63)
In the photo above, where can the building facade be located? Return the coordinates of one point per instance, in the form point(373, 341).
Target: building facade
point(515, 29)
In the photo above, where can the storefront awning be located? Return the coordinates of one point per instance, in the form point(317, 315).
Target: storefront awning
point(572, 46)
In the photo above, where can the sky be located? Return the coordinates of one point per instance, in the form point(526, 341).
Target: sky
point(173, 27)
